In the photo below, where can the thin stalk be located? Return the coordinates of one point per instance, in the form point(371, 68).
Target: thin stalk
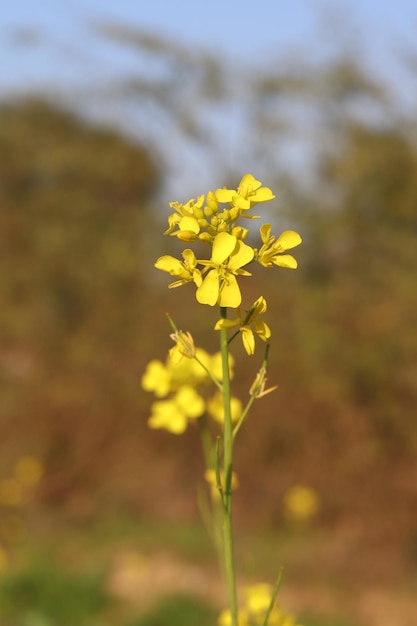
point(227, 473)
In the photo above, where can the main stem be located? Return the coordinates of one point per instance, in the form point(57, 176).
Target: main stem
point(227, 469)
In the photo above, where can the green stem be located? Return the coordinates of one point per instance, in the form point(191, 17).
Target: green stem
point(227, 473)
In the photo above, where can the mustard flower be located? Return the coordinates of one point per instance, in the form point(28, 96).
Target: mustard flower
point(184, 346)
point(248, 193)
point(216, 409)
point(157, 378)
point(220, 286)
point(301, 503)
point(174, 414)
point(271, 252)
point(249, 324)
point(186, 271)
point(186, 218)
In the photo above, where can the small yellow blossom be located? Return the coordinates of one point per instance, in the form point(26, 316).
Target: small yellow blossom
point(225, 618)
point(29, 470)
point(184, 346)
point(257, 388)
point(248, 193)
point(186, 218)
point(249, 324)
point(174, 414)
point(216, 409)
point(186, 271)
point(220, 286)
point(157, 378)
point(271, 252)
point(301, 503)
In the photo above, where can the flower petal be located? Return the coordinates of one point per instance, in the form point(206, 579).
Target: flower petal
point(242, 255)
point(230, 295)
point(169, 264)
point(288, 239)
point(208, 291)
point(223, 246)
point(285, 260)
point(248, 340)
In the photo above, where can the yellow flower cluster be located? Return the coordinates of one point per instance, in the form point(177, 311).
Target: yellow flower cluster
point(204, 220)
point(252, 613)
point(180, 382)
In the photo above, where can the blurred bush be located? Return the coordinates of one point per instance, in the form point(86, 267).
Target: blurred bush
point(83, 311)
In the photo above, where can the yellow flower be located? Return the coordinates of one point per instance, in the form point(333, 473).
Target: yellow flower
point(271, 251)
point(185, 271)
point(216, 409)
point(249, 193)
point(186, 218)
point(173, 414)
point(184, 346)
point(157, 378)
point(301, 503)
point(29, 470)
point(258, 597)
point(220, 286)
point(249, 324)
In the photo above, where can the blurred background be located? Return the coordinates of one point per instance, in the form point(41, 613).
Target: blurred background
point(107, 113)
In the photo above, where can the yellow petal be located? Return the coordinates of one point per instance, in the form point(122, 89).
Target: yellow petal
point(265, 231)
point(248, 340)
point(223, 246)
point(225, 195)
point(285, 260)
point(288, 239)
point(248, 181)
point(169, 264)
point(230, 293)
point(242, 255)
point(263, 195)
point(189, 223)
point(208, 291)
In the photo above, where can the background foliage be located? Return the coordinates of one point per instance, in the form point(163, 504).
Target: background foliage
point(81, 223)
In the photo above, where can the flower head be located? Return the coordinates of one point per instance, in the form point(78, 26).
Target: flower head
point(174, 414)
point(249, 325)
point(248, 193)
point(271, 252)
point(219, 285)
point(186, 271)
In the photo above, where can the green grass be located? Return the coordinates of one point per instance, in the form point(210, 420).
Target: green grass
point(179, 611)
point(43, 594)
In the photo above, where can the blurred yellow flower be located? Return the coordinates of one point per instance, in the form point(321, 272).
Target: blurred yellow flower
point(157, 378)
point(174, 414)
point(29, 470)
point(301, 503)
point(216, 409)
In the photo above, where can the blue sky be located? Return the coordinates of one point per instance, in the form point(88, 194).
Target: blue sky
point(47, 45)
point(60, 45)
